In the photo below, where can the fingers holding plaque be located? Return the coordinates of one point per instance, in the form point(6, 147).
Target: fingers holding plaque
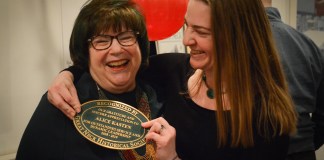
point(111, 124)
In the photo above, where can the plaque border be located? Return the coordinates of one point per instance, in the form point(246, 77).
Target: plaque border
point(77, 121)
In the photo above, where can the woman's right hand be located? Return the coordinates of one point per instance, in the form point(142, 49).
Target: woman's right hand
point(63, 95)
point(164, 135)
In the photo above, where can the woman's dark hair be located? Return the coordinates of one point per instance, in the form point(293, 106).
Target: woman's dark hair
point(98, 16)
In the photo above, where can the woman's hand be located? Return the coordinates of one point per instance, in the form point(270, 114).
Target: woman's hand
point(164, 136)
point(63, 95)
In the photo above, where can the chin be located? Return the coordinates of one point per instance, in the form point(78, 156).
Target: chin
point(122, 82)
point(197, 64)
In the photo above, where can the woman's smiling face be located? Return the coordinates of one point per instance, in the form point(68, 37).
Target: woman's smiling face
point(198, 35)
point(115, 68)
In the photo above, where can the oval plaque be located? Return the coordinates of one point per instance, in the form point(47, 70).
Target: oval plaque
point(111, 124)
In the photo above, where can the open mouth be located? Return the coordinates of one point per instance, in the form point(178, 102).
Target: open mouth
point(195, 52)
point(118, 64)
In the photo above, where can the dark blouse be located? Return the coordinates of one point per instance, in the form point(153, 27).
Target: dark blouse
point(195, 126)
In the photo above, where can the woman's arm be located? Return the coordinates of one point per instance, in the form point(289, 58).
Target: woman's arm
point(62, 93)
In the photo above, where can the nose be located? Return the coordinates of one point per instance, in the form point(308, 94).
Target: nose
point(188, 39)
point(115, 46)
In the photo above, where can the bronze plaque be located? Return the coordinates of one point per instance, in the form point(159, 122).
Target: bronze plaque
point(111, 124)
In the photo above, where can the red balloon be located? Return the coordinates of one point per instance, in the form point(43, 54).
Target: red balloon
point(163, 17)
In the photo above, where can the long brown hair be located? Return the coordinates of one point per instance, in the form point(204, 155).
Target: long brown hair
point(246, 58)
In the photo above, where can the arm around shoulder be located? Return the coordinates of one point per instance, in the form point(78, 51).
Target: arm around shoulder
point(62, 93)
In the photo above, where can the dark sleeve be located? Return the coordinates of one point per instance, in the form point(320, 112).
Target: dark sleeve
point(318, 118)
point(76, 71)
point(50, 135)
point(44, 135)
point(162, 65)
point(162, 70)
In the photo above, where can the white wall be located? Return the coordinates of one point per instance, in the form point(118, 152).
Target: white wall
point(288, 10)
point(33, 49)
point(31, 54)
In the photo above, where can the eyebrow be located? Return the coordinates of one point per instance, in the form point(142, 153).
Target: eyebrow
point(197, 26)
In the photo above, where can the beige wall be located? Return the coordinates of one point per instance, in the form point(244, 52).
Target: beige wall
point(31, 54)
point(288, 10)
point(33, 49)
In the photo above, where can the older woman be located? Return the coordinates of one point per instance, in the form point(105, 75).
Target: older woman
point(109, 41)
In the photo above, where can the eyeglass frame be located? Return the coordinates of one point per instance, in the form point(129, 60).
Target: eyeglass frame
point(90, 40)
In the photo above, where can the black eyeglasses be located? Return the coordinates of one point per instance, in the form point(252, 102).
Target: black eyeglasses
point(102, 42)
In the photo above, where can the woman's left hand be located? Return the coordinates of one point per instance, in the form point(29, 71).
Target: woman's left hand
point(164, 136)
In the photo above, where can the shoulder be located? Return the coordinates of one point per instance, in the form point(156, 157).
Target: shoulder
point(291, 41)
point(284, 32)
point(169, 62)
point(86, 88)
point(170, 57)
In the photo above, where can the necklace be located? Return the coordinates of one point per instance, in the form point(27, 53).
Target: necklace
point(210, 92)
point(143, 106)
